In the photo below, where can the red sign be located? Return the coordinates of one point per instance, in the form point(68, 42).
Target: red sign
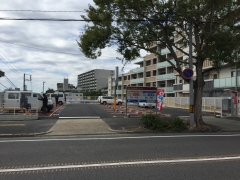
point(160, 95)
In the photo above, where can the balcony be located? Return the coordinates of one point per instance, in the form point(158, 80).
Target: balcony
point(165, 77)
point(167, 89)
point(138, 70)
point(118, 91)
point(135, 81)
point(165, 64)
point(178, 87)
point(226, 82)
point(166, 51)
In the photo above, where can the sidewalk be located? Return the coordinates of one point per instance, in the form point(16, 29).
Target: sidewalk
point(97, 126)
point(225, 124)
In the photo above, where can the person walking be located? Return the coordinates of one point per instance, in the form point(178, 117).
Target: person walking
point(45, 103)
point(56, 99)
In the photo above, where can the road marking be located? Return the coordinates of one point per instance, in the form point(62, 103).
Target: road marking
point(56, 110)
point(82, 117)
point(119, 138)
point(12, 125)
point(121, 164)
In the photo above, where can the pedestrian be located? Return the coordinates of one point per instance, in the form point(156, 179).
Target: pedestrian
point(45, 103)
point(56, 99)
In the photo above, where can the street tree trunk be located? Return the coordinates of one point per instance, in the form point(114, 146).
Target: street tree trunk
point(198, 91)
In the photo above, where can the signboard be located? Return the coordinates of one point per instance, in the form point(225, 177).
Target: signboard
point(187, 73)
point(160, 95)
point(141, 94)
point(226, 107)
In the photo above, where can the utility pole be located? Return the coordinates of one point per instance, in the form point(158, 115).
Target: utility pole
point(236, 87)
point(191, 107)
point(24, 79)
point(43, 86)
point(115, 89)
point(24, 87)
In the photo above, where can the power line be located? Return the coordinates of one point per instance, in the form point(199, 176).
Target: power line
point(90, 20)
point(3, 85)
point(17, 70)
point(39, 48)
point(37, 10)
point(46, 49)
point(12, 68)
point(45, 19)
point(10, 81)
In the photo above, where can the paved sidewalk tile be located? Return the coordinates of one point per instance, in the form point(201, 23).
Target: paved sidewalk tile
point(80, 126)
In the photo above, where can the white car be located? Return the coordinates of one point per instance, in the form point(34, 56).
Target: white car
point(108, 100)
point(146, 104)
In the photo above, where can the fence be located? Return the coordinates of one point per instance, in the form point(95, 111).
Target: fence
point(81, 99)
point(209, 104)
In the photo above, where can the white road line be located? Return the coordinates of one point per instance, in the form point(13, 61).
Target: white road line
point(119, 164)
point(118, 138)
point(81, 117)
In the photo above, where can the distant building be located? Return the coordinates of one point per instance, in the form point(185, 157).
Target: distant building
point(60, 87)
point(94, 80)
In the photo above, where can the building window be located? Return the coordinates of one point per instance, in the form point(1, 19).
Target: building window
point(215, 76)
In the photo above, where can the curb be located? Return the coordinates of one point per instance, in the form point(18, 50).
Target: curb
point(25, 134)
point(120, 131)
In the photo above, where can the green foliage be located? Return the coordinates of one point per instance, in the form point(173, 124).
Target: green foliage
point(130, 27)
point(50, 90)
point(134, 26)
point(92, 93)
point(155, 122)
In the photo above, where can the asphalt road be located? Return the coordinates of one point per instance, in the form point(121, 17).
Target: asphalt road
point(46, 121)
point(122, 157)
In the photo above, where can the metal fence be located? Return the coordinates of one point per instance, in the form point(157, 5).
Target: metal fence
point(209, 104)
point(81, 99)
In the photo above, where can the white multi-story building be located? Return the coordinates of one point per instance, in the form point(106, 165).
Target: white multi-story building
point(94, 80)
point(152, 72)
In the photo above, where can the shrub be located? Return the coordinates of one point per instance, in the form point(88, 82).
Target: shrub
point(153, 121)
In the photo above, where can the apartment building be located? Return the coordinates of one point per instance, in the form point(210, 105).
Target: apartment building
point(151, 71)
point(94, 80)
point(60, 87)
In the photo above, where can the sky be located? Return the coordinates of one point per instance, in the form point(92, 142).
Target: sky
point(47, 50)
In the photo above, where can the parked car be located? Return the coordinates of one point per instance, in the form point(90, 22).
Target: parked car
point(61, 97)
point(108, 100)
point(16, 100)
point(146, 104)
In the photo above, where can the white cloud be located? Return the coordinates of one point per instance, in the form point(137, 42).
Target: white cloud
point(52, 67)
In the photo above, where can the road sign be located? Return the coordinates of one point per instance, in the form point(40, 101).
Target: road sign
point(141, 94)
point(187, 73)
point(160, 94)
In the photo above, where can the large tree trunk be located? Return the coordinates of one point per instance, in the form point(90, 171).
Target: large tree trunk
point(198, 91)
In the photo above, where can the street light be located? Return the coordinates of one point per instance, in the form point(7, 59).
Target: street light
point(43, 86)
point(236, 87)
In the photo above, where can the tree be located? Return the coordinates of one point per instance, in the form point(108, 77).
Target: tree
point(92, 93)
point(134, 26)
point(50, 90)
